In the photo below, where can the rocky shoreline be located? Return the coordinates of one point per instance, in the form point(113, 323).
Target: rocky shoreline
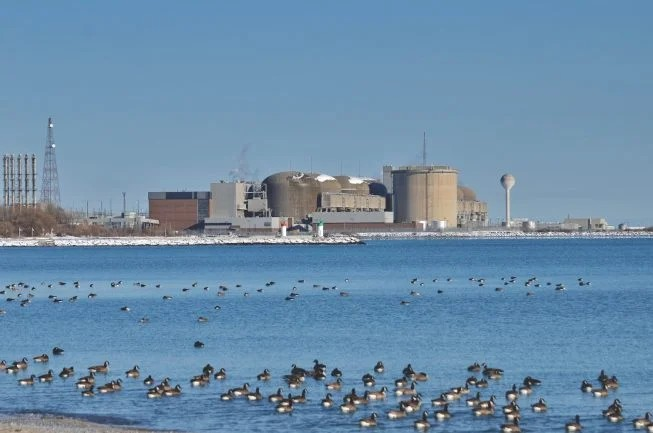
point(177, 241)
point(38, 423)
point(505, 234)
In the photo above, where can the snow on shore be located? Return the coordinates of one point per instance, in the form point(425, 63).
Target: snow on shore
point(176, 241)
point(506, 234)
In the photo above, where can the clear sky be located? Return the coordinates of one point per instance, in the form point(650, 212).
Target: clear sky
point(155, 95)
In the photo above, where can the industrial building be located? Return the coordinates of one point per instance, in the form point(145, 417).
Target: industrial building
point(179, 211)
point(425, 193)
point(239, 206)
point(471, 212)
point(19, 180)
point(409, 197)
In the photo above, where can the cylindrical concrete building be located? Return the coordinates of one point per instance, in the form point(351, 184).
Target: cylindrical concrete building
point(425, 194)
point(295, 194)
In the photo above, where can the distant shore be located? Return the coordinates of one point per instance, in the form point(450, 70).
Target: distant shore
point(36, 423)
point(69, 241)
point(336, 239)
point(505, 234)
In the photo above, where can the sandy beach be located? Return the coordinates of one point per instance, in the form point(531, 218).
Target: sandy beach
point(34, 423)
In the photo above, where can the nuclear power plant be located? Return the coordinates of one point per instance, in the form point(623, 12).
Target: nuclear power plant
point(19, 180)
point(411, 197)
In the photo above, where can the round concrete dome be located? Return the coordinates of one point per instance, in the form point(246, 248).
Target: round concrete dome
point(466, 194)
point(296, 194)
point(353, 185)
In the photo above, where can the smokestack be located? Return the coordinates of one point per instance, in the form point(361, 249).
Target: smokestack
point(25, 179)
point(33, 180)
point(19, 179)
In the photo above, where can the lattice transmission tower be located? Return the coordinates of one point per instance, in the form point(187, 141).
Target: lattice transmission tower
point(50, 185)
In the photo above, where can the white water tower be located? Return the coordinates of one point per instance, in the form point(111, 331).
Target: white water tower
point(507, 182)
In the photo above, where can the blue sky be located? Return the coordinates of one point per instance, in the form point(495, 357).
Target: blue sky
point(167, 95)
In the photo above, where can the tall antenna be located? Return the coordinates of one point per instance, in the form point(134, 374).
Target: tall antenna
point(50, 186)
point(424, 151)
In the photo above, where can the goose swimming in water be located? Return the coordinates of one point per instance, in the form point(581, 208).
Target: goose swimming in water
point(574, 426)
point(423, 423)
point(369, 422)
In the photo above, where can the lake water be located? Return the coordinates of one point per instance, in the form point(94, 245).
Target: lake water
point(558, 336)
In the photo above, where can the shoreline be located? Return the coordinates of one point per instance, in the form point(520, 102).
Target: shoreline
point(50, 423)
point(505, 234)
point(334, 239)
point(160, 241)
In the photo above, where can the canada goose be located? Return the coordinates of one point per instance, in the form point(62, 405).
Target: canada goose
point(88, 393)
point(379, 367)
point(481, 383)
point(540, 406)
point(220, 374)
point(327, 401)
point(336, 372)
point(103, 368)
point(299, 399)
point(421, 377)
point(227, 396)
point(378, 395)
point(47, 377)
point(492, 373)
point(408, 371)
point(511, 427)
point(255, 396)
point(156, 392)
point(525, 390)
point(397, 413)
point(284, 408)
point(173, 392)
point(586, 386)
point(243, 390)
point(643, 422)
point(264, 376)
point(512, 394)
point(574, 426)
point(511, 408)
point(368, 380)
point(133, 373)
point(362, 399)
point(611, 383)
point(200, 380)
point(615, 416)
point(600, 392)
point(198, 344)
point(614, 406)
point(66, 372)
point(369, 422)
point(149, 381)
point(475, 367)
point(348, 406)
point(41, 358)
point(443, 414)
point(474, 401)
point(276, 397)
point(22, 364)
point(27, 381)
point(531, 381)
point(334, 386)
point(423, 423)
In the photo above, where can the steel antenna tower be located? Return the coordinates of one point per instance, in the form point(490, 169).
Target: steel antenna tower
point(50, 185)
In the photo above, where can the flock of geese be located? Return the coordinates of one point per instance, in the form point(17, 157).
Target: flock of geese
point(338, 397)
point(22, 293)
point(347, 396)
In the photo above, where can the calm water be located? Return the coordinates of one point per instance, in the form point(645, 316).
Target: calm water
point(560, 337)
